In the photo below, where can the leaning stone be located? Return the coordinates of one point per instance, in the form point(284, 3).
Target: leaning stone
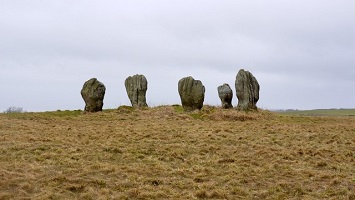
point(192, 93)
point(136, 87)
point(93, 93)
point(247, 89)
point(225, 93)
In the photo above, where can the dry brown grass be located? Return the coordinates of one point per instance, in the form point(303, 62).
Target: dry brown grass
point(164, 153)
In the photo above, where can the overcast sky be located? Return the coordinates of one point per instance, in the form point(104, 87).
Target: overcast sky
point(302, 52)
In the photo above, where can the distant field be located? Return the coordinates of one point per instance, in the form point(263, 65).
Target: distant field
point(320, 112)
point(164, 153)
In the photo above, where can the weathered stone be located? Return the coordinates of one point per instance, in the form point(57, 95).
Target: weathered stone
point(93, 93)
point(136, 87)
point(247, 89)
point(192, 93)
point(225, 93)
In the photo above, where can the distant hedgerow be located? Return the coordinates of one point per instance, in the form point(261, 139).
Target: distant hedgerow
point(14, 109)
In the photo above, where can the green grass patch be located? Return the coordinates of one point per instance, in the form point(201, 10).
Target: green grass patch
point(178, 108)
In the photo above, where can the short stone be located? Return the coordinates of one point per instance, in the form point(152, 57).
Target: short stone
point(225, 93)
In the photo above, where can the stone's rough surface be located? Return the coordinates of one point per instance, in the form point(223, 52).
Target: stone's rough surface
point(136, 87)
point(93, 93)
point(247, 89)
point(225, 93)
point(192, 93)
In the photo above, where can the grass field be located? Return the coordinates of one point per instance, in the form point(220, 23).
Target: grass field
point(320, 112)
point(164, 153)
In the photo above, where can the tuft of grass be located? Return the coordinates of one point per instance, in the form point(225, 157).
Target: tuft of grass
point(125, 109)
point(235, 115)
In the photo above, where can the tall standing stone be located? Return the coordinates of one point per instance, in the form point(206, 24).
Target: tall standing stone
point(247, 89)
point(225, 93)
point(192, 93)
point(93, 93)
point(136, 87)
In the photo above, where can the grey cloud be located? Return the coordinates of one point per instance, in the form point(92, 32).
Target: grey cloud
point(288, 45)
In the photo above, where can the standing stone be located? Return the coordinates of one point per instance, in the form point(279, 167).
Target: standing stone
point(93, 93)
point(225, 93)
point(136, 87)
point(247, 89)
point(192, 93)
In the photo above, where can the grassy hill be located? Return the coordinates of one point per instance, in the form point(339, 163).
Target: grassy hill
point(164, 153)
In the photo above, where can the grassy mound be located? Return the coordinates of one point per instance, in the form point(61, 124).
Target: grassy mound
point(165, 153)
